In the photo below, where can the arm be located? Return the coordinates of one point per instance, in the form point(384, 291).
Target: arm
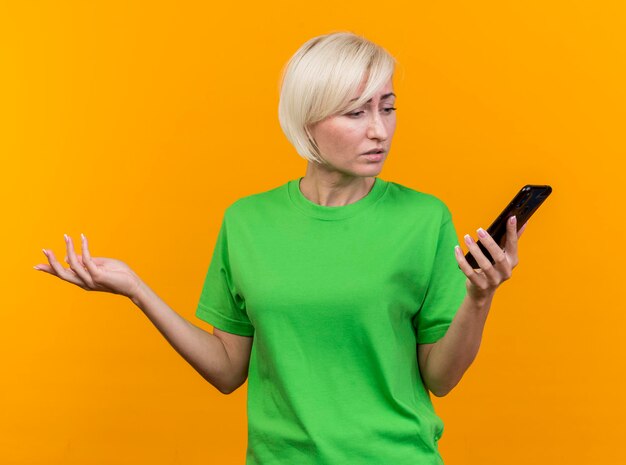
point(239, 349)
point(447, 360)
point(222, 361)
point(205, 352)
point(443, 363)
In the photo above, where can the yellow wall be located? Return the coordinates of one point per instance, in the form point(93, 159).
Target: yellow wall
point(138, 123)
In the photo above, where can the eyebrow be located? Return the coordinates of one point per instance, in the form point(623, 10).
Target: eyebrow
point(382, 98)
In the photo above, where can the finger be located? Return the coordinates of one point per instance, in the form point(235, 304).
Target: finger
point(486, 267)
point(98, 261)
point(58, 270)
point(76, 267)
point(43, 267)
point(511, 238)
point(54, 264)
point(87, 260)
point(494, 249)
point(467, 268)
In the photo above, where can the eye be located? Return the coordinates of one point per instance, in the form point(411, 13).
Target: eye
point(355, 114)
point(389, 110)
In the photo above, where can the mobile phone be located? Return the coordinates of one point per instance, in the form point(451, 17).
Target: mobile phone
point(524, 204)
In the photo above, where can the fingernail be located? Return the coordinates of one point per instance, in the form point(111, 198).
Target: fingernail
point(66, 238)
point(82, 236)
point(512, 220)
point(44, 252)
point(481, 232)
point(36, 267)
point(468, 239)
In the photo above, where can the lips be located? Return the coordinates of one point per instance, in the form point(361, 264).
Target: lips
point(374, 151)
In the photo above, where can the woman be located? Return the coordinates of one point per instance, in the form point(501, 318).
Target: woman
point(341, 297)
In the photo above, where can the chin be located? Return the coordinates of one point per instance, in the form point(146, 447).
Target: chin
point(373, 165)
point(373, 169)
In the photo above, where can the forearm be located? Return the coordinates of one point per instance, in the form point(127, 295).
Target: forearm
point(204, 351)
point(452, 355)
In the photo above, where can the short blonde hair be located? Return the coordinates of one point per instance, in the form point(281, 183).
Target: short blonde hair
point(321, 77)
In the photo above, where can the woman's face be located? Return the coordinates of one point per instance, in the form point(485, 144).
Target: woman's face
point(344, 139)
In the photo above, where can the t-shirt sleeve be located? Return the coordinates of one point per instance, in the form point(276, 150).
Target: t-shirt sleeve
point(446, 288)
point(221, 303)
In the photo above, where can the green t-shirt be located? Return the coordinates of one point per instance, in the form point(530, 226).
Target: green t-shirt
point(337, 299)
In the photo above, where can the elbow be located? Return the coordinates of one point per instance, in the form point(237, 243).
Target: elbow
point(443, 391)
point(221, 387)
point(230, 388)
point(226, 389)
point(440, 393)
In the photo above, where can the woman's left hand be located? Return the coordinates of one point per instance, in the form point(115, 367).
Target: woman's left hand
point(482, 283)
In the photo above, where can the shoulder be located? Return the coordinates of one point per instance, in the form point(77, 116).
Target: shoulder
point(257, 203)
point(417, 201)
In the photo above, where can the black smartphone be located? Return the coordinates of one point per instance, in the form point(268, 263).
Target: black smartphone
point(523, 205)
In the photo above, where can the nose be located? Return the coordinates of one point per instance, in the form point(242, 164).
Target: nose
point(376, 128)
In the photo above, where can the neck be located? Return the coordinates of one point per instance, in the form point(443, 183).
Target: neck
point(333, 188)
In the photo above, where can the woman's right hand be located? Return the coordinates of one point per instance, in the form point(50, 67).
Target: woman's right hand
point(93, 274)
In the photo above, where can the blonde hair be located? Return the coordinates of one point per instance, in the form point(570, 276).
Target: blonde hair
point(319, 80)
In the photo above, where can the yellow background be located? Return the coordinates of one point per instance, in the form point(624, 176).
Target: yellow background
point(138, 123)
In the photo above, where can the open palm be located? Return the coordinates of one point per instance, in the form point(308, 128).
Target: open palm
point(92, 273)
